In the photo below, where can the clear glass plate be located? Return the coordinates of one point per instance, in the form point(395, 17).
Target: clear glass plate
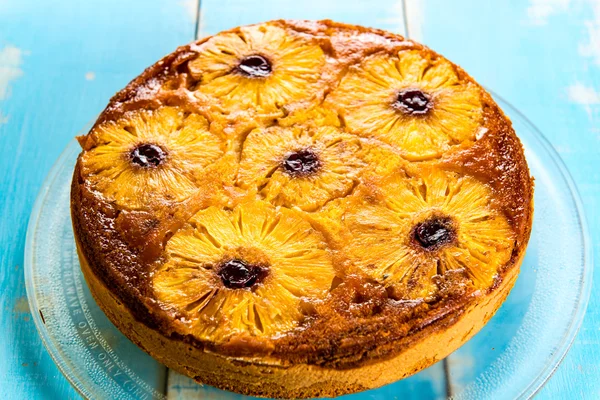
point(510, 358)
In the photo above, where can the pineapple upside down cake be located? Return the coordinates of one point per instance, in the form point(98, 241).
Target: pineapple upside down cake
point(299, 209)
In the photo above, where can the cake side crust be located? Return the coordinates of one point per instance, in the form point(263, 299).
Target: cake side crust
point(258, 378)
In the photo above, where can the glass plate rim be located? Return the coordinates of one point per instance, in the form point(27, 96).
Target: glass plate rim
point(49, 180)
point(587, 256)
point(528, 392)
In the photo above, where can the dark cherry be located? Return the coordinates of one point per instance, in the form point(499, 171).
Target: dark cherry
point(238, 274)
point(412, 101)
point(255, 66)
point(302, 163)
point(148, 155)
point(434, 232)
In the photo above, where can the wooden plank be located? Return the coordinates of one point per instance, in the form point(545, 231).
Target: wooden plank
point(218, 15)
point(544, 58)
point(558, 90)
point(60, 62)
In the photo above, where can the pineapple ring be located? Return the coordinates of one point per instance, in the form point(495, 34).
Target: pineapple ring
point(287, 68)
point(179, 145)
point(411, 101)
point(265, 165)
point(467, 233)
point(292, 255)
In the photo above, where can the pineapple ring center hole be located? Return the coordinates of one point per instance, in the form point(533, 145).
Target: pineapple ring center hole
point(255, 66)
point(148, 155)
point(434, 233)
point(302, 163)
point(238, 274)
point(412, 101)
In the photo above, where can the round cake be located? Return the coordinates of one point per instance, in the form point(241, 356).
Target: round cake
point(301, 208)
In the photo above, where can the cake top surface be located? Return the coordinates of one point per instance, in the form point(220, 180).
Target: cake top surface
point(306, 191)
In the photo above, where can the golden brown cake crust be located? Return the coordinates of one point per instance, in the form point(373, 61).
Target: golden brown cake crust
point(301, 381)
point(361, 325)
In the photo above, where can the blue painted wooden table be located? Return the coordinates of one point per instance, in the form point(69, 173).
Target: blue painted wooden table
point(61, 60)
